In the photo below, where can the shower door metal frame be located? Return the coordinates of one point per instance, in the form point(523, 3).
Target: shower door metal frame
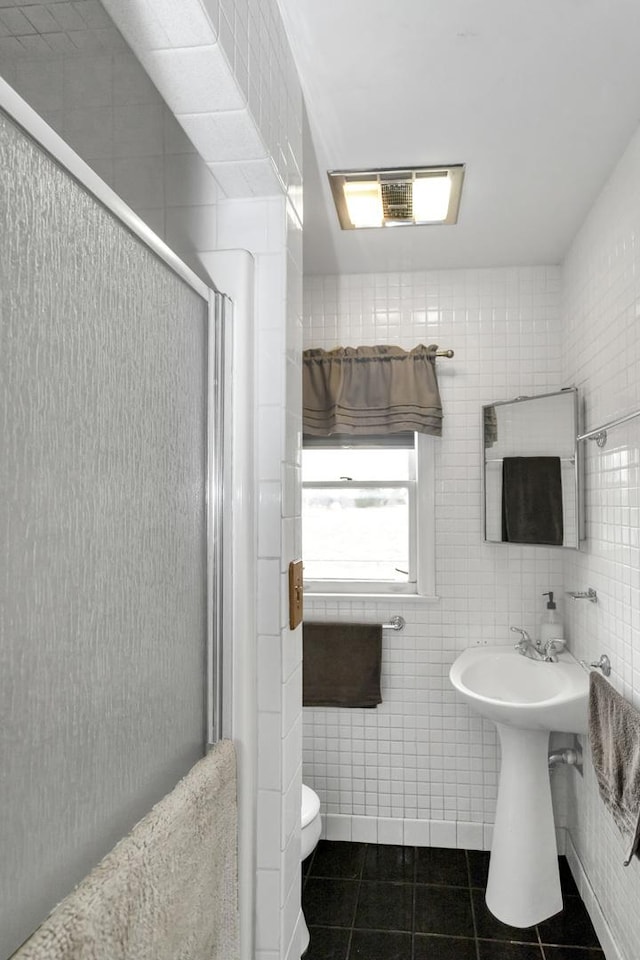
point(218, 463)
point(35, 127)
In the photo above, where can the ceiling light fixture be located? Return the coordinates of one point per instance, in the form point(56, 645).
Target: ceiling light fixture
point(397, 197)
point(364, 202)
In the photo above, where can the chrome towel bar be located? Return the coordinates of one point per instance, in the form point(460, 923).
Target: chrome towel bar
point(599, 434)
point(589, 595)
point(395, 623)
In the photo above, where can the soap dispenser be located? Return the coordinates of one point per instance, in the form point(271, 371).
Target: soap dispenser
point(550, 625)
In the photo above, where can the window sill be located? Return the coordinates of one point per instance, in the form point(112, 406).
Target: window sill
point(400, 597)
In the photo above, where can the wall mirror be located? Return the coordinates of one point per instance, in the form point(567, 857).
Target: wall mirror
point(531, 470)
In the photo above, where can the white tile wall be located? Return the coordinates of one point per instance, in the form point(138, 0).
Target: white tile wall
point(601, 350)
point(110, 112)
point(207, 59)
point(289, 296)
point(267, 227)
point(56, 27)
point(220, 57)
point(422, 757)
point(272, 231)
point(252, 34)
point(170, 70)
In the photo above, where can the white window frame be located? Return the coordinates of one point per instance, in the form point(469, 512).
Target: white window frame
point(421, 489)
point(426, 514)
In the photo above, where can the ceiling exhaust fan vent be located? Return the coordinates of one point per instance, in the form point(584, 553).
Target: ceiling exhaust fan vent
point(396, 197)
point(397, 201)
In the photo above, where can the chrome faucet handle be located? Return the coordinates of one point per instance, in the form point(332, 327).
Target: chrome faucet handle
point(552, 648)
point(524, 636)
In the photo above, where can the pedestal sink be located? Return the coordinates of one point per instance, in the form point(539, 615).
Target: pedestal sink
point(526, 699)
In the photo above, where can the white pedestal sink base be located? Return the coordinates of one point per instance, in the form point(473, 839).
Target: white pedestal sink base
point(524, 881)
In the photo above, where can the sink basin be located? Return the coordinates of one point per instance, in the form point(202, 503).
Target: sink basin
point(506, 687)
point(526, 699)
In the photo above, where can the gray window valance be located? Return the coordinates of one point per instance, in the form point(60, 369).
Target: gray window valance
point(371, 390)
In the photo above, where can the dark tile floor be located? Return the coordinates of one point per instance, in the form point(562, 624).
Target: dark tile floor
point(371, 902)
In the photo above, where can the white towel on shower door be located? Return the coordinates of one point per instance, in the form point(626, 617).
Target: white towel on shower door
point(168, 891)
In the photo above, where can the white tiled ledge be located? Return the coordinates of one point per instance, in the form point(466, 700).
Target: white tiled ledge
point(458, 834)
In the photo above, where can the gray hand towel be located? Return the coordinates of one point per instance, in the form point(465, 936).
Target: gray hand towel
point(341, 664)
point(614, 736)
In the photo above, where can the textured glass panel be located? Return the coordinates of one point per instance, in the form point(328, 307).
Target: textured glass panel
point(102, 532)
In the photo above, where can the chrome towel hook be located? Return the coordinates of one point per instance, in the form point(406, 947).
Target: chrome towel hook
point(603, 664)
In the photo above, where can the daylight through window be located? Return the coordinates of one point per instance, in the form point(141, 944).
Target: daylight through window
point(359, 514)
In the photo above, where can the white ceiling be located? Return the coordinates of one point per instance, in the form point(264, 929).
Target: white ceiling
point(537, 97)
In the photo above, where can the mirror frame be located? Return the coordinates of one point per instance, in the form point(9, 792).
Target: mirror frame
point(578, 467)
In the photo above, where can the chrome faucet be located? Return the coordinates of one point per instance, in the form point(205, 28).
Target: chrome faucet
point(551, 650)
point(526, 646)
point(533, 651)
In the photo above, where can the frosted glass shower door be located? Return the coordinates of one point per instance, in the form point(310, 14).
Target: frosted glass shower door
point(103, 526)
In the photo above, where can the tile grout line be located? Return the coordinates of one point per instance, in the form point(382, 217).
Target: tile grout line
point(307, 873)
point(355, 907)
point(413, 902)
point(473, 909)
point(543, 952)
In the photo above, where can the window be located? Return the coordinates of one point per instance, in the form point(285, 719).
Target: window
point(366, 523)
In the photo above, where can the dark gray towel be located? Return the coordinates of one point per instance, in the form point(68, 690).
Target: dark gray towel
point(614, 736)
point(532, 500)
point(341, 664)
